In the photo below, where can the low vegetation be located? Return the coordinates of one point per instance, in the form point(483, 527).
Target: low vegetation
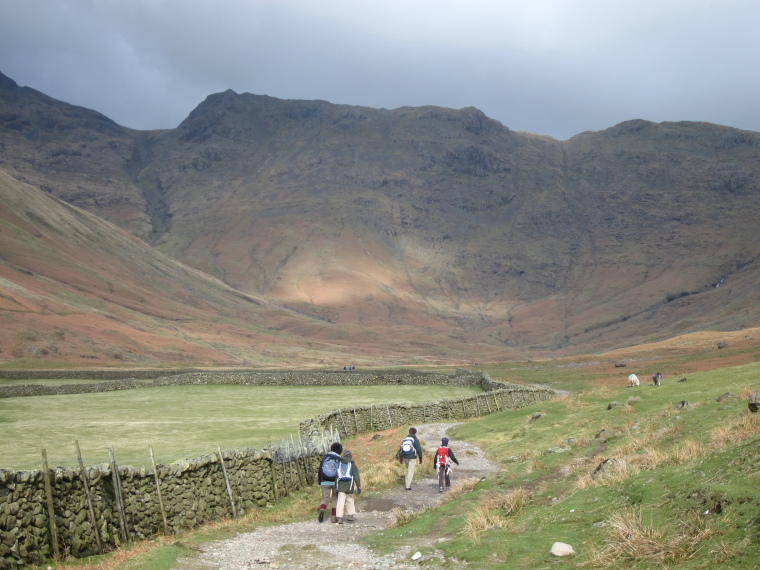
point(648, 483)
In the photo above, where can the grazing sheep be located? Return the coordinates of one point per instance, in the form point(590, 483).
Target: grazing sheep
point(633, 380)
point(657, 378)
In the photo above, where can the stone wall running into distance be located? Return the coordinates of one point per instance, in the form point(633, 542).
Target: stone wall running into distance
point(104, 506)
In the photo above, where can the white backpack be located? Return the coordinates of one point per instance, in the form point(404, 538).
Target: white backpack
point(344, 472)
point(407, 446)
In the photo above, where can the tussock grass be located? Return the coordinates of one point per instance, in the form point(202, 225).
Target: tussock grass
point(688, 450)
point(745, 392)
point(613, 473)
point(381, 475)
point(628, 409)
point(631, 541)
point(403, 517)
point(480, 520)
point(650, 458)
point(511, 501)
point(743, 427)
point(534, 465)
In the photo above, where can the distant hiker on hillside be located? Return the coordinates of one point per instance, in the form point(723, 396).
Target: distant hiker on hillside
point(442, 462)
point(348, 480)
point(327, 476)
point(410, 452)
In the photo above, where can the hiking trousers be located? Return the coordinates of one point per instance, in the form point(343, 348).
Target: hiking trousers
point(410, 465)
point(444, 475)
point(328, 490)
point(345, 500)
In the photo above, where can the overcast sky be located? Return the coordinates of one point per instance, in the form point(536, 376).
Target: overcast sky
point(546, 66)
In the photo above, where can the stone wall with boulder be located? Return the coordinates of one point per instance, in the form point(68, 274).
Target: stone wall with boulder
point(53, 513)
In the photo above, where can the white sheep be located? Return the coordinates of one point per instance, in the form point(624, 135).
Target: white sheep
point(633, 380)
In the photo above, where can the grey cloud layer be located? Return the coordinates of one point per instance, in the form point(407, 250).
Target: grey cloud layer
point(550, 67)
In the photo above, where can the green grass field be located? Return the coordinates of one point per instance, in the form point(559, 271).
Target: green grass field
point(682, 489)
point(178, 421)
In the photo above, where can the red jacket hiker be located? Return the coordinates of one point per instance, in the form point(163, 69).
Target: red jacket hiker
point(442, 462)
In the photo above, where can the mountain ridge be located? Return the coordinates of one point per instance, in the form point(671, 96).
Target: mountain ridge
point(425, 219)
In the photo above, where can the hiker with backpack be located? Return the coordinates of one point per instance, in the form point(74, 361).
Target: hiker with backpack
point(327, 477)
point(442, 462)
point(348, 480)
point(410, 452)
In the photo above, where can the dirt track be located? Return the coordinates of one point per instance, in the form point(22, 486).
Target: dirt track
point(313, 545)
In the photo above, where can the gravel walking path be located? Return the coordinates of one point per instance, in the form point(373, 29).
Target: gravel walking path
point(306, 545)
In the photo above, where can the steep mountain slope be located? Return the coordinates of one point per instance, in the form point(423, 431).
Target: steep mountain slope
point(424, 227)
point(76, 289)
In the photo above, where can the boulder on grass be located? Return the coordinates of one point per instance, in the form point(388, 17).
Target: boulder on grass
point(561, 549)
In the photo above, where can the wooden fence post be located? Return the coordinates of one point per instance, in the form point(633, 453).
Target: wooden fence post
point(286, 457)
point(51, 509)
point(227, 482)
point(158, 491)
point(306, 466)
point(88, 495)
point(388, 410)
point(274, 480)
point(340, 413)
point(356, 421)
point(117, 496)
point(301, 480)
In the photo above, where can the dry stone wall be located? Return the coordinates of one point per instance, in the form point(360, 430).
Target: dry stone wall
point(47, 513)
point(497, 396)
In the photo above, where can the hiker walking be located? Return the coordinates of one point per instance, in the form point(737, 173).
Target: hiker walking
point(348, 480)
point(327, 476)
point(442, 462)
point(410, 452)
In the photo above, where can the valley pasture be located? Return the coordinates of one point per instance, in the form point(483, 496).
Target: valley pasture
point(177, 421)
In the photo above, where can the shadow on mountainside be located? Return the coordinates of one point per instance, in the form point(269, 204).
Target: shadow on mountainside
point(310, 544)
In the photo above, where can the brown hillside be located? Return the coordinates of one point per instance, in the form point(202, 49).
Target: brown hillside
point(430, 228)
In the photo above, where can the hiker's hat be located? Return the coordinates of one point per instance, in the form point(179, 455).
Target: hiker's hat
point(445, 441)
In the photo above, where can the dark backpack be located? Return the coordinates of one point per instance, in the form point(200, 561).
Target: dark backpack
point(330, 468)
point(344, 472)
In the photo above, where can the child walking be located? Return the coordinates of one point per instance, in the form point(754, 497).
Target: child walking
point(327, 477)
point(442, 462)
point(348, 480)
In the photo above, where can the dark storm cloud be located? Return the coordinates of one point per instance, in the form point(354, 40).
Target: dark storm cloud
point(550, 67)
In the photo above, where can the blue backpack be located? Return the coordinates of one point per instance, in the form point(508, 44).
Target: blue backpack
point(330, 468)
